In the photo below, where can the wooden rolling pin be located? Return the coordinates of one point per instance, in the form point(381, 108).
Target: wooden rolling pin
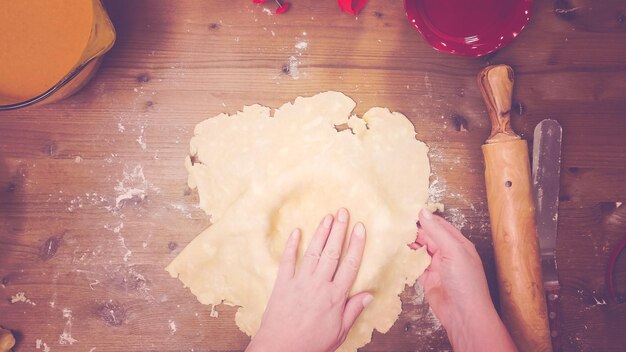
point(512, 214)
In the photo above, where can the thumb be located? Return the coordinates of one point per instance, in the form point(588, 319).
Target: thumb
point(354, 307)
point(438, 233)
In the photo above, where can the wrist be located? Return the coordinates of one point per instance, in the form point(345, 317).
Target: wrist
point(480, 329)
point(261, 344)
point(267, 343)
point(256, 345)
point(471, 316)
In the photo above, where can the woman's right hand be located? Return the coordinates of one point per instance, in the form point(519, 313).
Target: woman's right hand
point(456, 288)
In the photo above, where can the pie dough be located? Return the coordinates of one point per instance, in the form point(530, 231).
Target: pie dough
point(259, 177)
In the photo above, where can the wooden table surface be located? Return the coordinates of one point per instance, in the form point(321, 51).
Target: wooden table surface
point(91, 263)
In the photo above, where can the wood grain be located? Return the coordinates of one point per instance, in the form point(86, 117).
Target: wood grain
point(512, 216)
point(178, 62)
point(516, 250)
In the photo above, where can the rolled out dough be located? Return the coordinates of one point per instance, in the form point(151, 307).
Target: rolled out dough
point(261, 176)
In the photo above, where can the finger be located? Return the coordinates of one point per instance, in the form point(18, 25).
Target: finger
point(349, 265)
point(435, 232)
point(332, 251)
point(314, 250)
point(425, 240)
point(414, 246)
point(353, 309)
point(287, 266)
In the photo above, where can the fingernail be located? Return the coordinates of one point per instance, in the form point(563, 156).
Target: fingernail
point(367, 300)
point(328, 220)
point(359, 230)
point(342, 215)
point(295, 234)
point(427, 214)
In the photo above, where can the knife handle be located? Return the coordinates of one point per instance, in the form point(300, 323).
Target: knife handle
point(553, 298)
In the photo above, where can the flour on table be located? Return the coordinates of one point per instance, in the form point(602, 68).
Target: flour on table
point(21, 297)
point(40, 345)
point(172, 325)
point(301, 45)
point(288, 170)
point(133, 185)
point(141, 140)
point(422, 315)
point(66, 337)
point(292, 67)
point(294, 70)
point(214, 313)
point(455, 217)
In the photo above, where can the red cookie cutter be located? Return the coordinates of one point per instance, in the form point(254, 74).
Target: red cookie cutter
point(351, 6)
point(610, 270)
point(282, 6)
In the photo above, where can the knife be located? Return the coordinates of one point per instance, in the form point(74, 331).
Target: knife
point(546, 172)
point(512, 215)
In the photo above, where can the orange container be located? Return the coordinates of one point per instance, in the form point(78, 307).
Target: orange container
point(49, 49)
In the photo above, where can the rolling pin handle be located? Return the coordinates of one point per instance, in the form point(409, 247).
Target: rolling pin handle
point(496, 86)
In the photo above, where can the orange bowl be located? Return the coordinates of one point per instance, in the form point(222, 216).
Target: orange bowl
point(49, 49)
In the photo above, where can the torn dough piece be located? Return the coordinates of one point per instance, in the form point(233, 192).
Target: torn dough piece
point(261, 176)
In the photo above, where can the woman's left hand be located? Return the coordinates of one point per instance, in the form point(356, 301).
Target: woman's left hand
point(311, 310)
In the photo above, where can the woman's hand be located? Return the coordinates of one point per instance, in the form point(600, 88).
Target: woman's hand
point(311, 310)
point(456, 288)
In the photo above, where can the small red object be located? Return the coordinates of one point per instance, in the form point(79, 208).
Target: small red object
point(351, 6)
point(610, 270)
point(282, 7)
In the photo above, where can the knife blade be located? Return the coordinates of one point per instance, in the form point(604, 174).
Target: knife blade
point(546, 172)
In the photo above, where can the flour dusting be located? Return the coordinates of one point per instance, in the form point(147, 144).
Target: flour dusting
point(214, 313)
point(418, 295)
point(294, 61)
point(133, 185)
point(436, 190)
point(301, 45)
point(422, 312)
point(455, 217)
point(141, 140)
point(79, 202)
point(40, 345)
point(172, 325)
point(21, 297)
point(294, 70)
point(182, 208)
point(66, 337)
point(128, 251)
point(118, 231)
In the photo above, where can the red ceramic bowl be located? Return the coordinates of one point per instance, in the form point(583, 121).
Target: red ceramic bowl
point(468, 27)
